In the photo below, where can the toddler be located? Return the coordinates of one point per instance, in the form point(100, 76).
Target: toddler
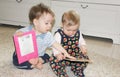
point(41, 19)
point(70, 37)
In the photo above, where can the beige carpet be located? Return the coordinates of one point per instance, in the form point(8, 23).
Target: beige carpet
point(102, 66)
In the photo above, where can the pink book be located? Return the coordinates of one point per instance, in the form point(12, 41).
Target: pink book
point(26, 46)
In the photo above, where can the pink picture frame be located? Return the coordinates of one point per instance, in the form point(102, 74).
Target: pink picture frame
point(26, 46)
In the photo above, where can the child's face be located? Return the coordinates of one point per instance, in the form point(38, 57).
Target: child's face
point(70, 30)
point(44, 23)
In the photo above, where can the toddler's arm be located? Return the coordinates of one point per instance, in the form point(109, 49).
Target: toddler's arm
point(82, 44)
point(58, 47)
point(83, 49)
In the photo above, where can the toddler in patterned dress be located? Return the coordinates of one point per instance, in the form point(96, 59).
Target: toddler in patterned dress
point(70, 37)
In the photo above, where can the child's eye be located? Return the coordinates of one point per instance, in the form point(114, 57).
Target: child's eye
point(68, 30)
point(74, 30)
point(51, 23)
point(46, 23)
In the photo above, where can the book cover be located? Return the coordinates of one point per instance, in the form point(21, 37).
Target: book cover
point(26, 46)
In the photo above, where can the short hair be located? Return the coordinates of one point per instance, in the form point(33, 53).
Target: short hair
point(38, 10)
point(70, 18)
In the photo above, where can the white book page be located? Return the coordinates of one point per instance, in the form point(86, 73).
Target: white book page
point(26, 44)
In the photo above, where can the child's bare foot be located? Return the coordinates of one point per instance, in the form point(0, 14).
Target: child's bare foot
point(39, 66)
point(37, 63)
point(41, 60)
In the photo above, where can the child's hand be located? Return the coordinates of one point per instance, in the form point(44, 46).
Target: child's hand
point(20, 33)
point(60, 56)
point(70, 57)
point(83, 50)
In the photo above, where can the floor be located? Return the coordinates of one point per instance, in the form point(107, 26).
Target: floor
point(104, 54)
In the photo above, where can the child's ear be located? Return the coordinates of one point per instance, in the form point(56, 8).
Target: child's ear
point(35, 21)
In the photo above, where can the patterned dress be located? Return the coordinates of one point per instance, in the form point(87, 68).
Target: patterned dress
point(71, 45)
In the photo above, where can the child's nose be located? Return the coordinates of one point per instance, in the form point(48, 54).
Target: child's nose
point(49, 26)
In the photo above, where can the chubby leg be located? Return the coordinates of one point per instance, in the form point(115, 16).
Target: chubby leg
point(78, 67)
point(58, 67)
point(25, 65)
point(32, 63)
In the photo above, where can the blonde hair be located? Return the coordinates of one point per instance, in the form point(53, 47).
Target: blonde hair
point(38, 10)
point(70, 18)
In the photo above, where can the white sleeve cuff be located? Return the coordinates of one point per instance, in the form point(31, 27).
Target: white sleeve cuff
point(81, 40)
